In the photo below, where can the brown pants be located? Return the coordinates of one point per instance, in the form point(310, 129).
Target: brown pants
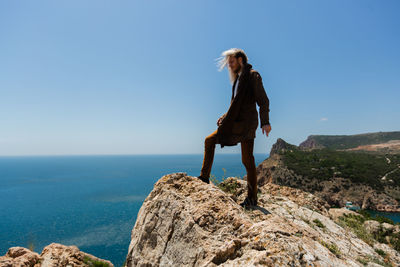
point(247, 160)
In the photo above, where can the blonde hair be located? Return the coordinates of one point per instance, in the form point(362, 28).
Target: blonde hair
point(222, 61)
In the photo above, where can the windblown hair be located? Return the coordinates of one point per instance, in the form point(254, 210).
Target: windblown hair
point(222, 61)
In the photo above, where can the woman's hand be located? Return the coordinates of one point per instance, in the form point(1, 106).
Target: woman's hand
point(221, 119)
point(266, 128)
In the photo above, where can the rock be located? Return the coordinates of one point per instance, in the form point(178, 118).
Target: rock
point(185, 222)
point(298, 196)
point(60, 255)
point(335, 213)
point(19, 256)
point(53, 255)
point(396, 229)
point(379, 201)
point(310, 143)
point(387, 227)
point(393, 254)
point(280, 145)
point(372, 226)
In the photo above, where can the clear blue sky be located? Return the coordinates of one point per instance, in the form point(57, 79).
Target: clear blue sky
point(139, 77)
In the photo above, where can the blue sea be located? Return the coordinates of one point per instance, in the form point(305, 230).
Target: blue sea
point(88, 201)
point(394, 216)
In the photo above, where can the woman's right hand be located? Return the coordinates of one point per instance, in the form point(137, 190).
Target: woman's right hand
point(220, 120)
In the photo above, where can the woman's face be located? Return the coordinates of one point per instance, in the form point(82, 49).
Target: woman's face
point(234, 64)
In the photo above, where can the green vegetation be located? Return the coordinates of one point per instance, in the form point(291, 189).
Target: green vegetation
point(351, 141)
point(380, 252)
point(299, 234)
point(394, 175)
point(319, 223)
point(94, 263)
point(369, 258)
point(214, 179)
point(332, 248)
point(355, 223)
point(305, 220)
point(363, 261)
point(378, 261)
point(31, 246)
point(228, 187)
point(323, 164)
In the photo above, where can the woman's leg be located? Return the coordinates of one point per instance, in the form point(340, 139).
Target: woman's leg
point(248, 161)
point(209, 149)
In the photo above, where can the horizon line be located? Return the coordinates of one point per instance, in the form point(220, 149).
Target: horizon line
point(155, 154)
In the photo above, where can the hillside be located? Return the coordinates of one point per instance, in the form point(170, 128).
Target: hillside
point(369, 180)
point(353, 141)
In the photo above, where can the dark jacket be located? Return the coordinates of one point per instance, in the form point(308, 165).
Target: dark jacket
point(240, 122)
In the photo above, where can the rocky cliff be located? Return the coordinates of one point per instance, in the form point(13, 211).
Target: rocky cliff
point(53, 255)
point(185, 222)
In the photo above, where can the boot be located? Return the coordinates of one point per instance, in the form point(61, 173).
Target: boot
point(206, 180)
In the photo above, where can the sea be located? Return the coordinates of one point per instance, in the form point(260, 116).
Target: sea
point(88, 201)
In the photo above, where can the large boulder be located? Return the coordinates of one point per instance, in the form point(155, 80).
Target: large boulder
point(19, 256)
point(372, 226)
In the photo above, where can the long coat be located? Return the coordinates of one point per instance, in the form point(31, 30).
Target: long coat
point(240, 122)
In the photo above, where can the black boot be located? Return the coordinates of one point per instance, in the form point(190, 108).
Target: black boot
point(248, 202)
point(206, 180)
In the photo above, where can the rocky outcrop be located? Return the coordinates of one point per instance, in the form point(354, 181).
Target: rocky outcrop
point(280, 145)
point(311, 143)
point(185, 222)
point(371, 226)
point(53, 255)
point(19, 256)
point(378, 201)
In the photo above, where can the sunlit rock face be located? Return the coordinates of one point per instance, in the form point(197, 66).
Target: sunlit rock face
point(185, 222)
